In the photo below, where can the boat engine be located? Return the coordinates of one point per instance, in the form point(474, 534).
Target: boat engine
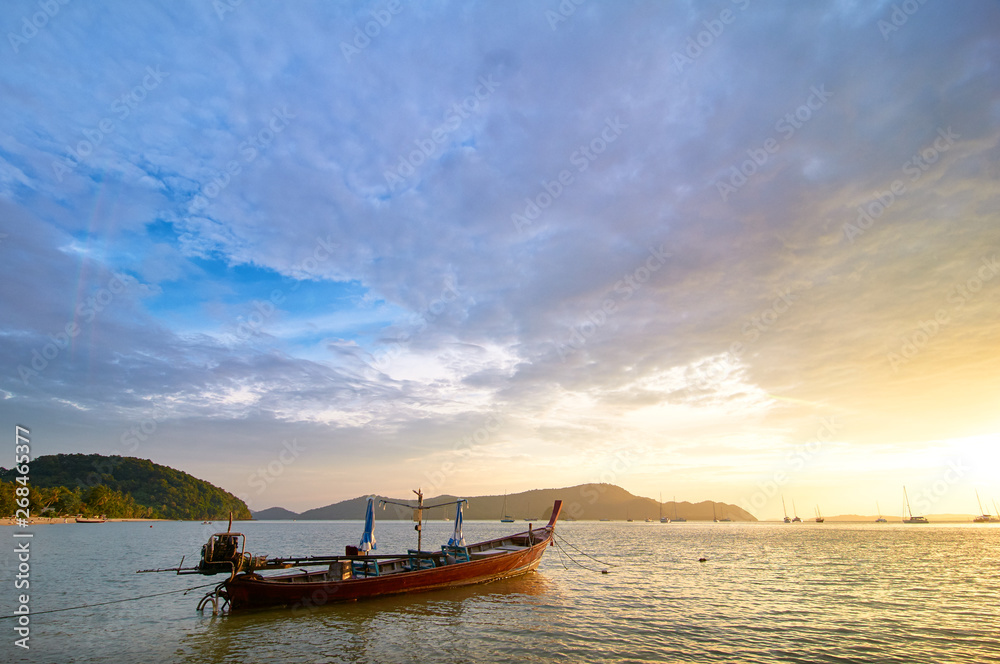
point(222, 554)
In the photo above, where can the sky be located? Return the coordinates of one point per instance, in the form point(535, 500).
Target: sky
point(732, 251)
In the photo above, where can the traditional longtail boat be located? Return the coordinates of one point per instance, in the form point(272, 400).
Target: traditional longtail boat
point(359, 574)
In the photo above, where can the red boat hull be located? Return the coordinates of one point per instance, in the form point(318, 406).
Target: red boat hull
point(307, 590)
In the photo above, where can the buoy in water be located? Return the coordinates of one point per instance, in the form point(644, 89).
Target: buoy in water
point(702, 560)
point(604, 571)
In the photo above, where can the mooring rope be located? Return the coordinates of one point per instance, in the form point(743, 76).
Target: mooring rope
point(566, 541)
point(114, 601)
point(578, 563)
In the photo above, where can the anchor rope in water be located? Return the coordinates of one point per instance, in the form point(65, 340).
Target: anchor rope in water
point(114, 601)
point(578, 563)
point(582, 552)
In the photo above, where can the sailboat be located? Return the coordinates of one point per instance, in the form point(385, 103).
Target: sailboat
point(677, 519)
point(785, 510)
point(795, 513)
point(819, 516)
point(506, 518)
point(724, 518)
point(663, 519)
point(627, 517)
point(880, 519)
point(714, 518)
point(983, 516)
point(912, 519)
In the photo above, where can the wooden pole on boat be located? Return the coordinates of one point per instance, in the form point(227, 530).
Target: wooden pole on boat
point(420, 516)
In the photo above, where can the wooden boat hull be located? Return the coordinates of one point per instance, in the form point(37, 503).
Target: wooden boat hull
point(253, 591)
point(522, 554)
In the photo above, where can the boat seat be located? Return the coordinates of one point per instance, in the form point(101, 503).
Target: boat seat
point(512, 547)
point(365, 568)
point(487, 553)
point(421, 562)
point(458, 554)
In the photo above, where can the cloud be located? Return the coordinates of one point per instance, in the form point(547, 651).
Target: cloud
point(234, 171)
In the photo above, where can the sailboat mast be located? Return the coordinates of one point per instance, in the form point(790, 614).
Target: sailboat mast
point(980, 502)
point(908, 508)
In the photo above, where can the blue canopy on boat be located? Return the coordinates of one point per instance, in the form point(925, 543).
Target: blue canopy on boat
point(368, 537)
point(457, 539)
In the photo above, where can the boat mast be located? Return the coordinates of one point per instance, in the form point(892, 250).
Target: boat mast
point(980, 502)
point(420, 516)
point(907, 498)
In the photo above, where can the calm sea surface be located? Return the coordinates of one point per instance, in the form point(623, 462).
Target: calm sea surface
point(767, 593)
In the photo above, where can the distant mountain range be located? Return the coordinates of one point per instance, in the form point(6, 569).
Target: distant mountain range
point(582, 502)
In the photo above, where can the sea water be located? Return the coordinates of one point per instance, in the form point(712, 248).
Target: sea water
point(765, 592)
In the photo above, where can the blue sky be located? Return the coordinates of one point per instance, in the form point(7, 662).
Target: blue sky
point(726, 250)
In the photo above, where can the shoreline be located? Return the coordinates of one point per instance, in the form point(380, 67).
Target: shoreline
point(46, 520)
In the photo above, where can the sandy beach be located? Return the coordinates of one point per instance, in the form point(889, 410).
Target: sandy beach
point(43, 520)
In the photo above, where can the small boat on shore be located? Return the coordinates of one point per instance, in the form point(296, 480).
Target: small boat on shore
point(96, 519)
point(359, 574)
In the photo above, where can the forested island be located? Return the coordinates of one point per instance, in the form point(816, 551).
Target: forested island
point(117, 487)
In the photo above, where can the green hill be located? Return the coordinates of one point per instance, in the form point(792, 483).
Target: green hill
point(119, 487)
